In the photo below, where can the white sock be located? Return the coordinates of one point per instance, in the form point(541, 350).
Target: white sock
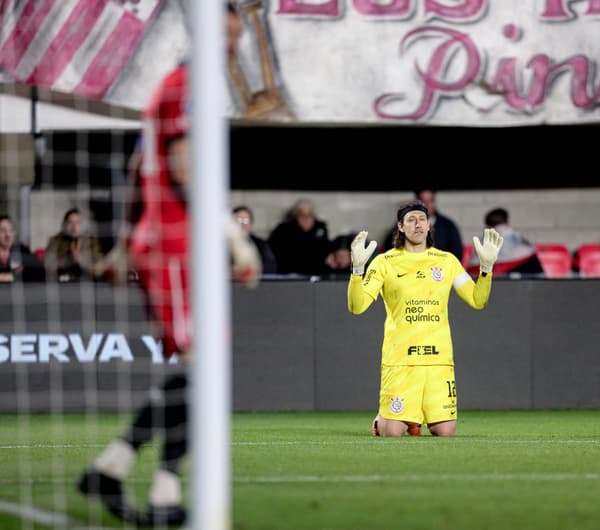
point(166, 489)
point(116, 460)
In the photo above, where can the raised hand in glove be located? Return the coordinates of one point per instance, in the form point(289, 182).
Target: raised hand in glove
point(360, 254)
point(488, 252)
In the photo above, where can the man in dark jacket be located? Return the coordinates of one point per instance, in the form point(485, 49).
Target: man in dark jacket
point(301, 242)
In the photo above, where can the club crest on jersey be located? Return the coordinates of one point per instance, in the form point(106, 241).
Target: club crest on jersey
point(397, 405)
point(436, 274)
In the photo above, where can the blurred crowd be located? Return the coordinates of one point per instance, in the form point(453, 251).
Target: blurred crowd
point(69, 254)
point(299, 245)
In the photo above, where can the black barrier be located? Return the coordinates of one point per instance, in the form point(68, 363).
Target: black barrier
point(81, 347)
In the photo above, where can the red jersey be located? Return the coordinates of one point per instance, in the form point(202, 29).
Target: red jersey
point(164, 220)
point(160, 241)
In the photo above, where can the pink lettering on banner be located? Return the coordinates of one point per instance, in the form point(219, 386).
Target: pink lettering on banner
point(330, 8)
point(467, 10)
point(464, 11)
point(560, 10)
point(544, 72)
point(434, 85)
point(593, 7)
point(583, 69)
point(507, 82)
point(397, 8)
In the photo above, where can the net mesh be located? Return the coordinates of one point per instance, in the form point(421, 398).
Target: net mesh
point(78, 355)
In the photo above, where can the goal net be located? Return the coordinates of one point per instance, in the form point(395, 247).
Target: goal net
point(79, 355)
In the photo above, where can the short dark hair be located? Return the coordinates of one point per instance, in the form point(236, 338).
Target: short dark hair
point(343, 241)
point(409, 207)
point(5, 217)
point(244, 208)
point(495, 217)
point(69, 213)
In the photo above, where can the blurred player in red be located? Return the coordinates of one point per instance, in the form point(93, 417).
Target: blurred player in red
point(158, 245)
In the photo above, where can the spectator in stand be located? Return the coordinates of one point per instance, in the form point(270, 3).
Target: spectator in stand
point(445, 232)
point(16, 260)
point(339, 259)
point(516, 255)
point(70, 255)
point(300, 242)
point(245, 218)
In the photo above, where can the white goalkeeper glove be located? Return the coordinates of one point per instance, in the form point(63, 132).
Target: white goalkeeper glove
point(360, 254)
point(488, 252)
point(245, 259)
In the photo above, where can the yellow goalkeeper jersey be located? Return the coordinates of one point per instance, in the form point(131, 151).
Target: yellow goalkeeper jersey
point(415, 288)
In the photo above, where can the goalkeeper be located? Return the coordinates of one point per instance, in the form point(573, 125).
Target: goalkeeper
point(415, 279)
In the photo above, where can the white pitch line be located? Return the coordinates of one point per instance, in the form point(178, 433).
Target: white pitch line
point(56, 480)
point(419, 478)
point(56, 520)
point(367, 441)
point(52, 446)
point(364, 478)
point(414, 440)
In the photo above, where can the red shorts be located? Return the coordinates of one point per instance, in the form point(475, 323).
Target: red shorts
point(164, 280)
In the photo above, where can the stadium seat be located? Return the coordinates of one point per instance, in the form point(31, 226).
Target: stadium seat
point(555, 259)
point(467, 253)
point(501, 268)
point(587, 260)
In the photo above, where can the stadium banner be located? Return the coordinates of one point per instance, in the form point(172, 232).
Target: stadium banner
point(78, 46)
point(81, 346)
point(28, 348)
point(438, 62)
point(435, 62)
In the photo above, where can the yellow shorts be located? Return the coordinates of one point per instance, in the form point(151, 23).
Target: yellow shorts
point(419, 394)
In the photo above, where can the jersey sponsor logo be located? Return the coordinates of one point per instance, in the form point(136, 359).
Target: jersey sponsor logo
point(436, 274)
point(421, 274)
point(401, 275)
point(422, 302)
point(416, 313)
point(397, 405)
point(423, 349)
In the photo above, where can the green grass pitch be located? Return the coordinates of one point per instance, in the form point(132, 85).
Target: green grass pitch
point(517, 470)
